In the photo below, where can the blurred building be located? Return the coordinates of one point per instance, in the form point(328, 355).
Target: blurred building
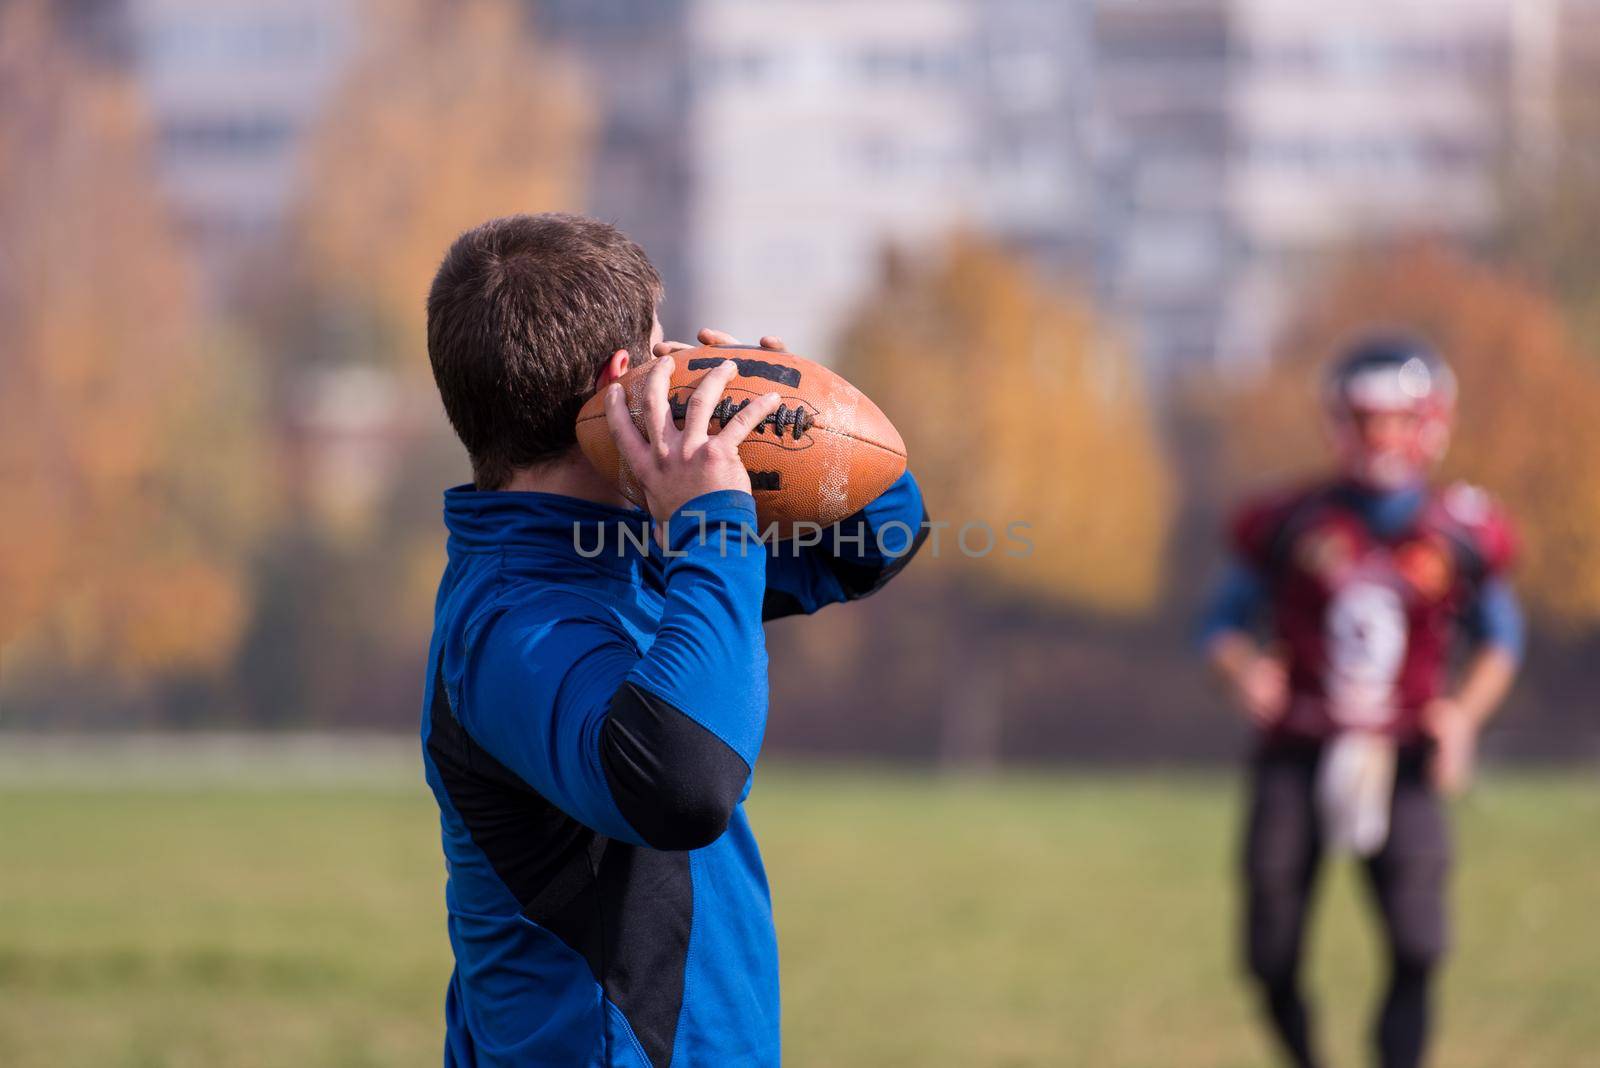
point(1244, 141)
point(1165, 239)
point(637, 66)
point(233, 86)
point(1203, 157)
point(1197, 159)
point(1035, 116)
point(1358, 121)
point(822, 130)
point(1557, 70)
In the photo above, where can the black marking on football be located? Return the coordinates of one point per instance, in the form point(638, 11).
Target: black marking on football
point(775, 372)
point(766, 480)
point(794, 421)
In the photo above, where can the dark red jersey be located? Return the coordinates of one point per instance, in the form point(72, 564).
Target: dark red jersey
point(1367, 594)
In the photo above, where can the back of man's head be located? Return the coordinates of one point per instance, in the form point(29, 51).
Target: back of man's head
point(523, 313)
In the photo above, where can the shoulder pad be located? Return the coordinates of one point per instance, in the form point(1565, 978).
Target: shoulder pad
point(1483, 522)
point(1255, 526)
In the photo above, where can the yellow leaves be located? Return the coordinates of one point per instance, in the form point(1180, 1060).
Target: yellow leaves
point(1018, 409)
point(1527, 428)
point(156, 615)
point(452, 117)
point(99, 363)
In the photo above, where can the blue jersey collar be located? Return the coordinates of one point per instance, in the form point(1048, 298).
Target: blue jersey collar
point(549, 523)
point(1386, 511)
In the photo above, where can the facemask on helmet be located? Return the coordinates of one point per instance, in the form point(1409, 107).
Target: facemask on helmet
point(1390, 402)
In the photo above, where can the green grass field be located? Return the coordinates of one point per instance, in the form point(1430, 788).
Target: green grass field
point(1027, 920)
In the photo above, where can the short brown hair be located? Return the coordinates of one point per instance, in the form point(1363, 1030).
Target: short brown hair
point(522, 315)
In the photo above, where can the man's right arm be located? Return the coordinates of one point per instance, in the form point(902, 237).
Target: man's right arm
point(1257, 682)
point(653, 749)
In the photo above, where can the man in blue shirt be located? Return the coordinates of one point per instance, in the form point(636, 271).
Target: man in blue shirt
point(592, 718)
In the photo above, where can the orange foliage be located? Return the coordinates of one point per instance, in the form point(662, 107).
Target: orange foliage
point(451, 117)
point(1529, 421)
point(1552, 209)
point(1017, 406)
point(453, 114)
point(99, 369)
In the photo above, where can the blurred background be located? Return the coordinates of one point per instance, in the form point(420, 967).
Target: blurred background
point(1114, 238)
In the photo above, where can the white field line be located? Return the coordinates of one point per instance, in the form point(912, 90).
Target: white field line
point(209, 759)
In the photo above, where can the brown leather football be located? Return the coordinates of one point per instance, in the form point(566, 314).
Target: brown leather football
point(823, 455)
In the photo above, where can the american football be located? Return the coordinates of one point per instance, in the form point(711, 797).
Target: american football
point(823, 455)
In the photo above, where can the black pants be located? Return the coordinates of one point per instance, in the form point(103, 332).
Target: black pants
point(1283, 852)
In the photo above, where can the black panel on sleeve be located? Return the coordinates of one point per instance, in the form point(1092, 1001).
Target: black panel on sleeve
point(776, 604)
point(544, 856)
point(674, 781)
point(625, 909)
point(859, 580)
point(633, 929)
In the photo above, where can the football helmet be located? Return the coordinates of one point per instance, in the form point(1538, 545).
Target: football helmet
point(1390, 401)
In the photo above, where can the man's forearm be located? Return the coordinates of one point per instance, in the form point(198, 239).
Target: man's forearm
point(683, 730)
point(1485, 684)
point(869, 548)
point(708, 655)
point(1230, 653)
point(850, 560)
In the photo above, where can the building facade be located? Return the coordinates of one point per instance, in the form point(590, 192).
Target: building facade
point(1195, 162)
point(234, 86)
point(1357, 122)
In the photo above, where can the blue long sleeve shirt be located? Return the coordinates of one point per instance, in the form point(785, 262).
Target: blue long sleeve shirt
point(595, 710)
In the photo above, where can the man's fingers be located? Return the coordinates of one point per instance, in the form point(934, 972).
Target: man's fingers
point(635, 450)
point(697, 417)
point(658, 405)
point(667, 348)
point(750, 416)
point(709, 336)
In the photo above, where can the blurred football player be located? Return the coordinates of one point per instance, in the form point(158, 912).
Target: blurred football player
point(1333, 630)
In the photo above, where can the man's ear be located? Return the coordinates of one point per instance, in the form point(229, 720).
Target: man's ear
point(614, 368)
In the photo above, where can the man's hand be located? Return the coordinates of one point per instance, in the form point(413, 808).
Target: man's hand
point(709, 336)
point(1455, 722)
point(1262, 690)
point(1258, 683)
point(677, 465)
point(1456, 735)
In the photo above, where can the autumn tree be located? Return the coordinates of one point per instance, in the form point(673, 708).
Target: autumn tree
point(451, 114)
point(1025, 420)
point(1529, 413)
point(1551, 217)
point(118, 552)
point(1017, 406)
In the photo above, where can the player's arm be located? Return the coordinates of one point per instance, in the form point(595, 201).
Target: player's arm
point(1256, 680)
point(655, 749)
point(848, 561)
point(1494, 622)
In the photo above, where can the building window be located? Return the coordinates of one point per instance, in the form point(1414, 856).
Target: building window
point(743, 67)
point(226, 135)
point(886, 65)
point(248, 39)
